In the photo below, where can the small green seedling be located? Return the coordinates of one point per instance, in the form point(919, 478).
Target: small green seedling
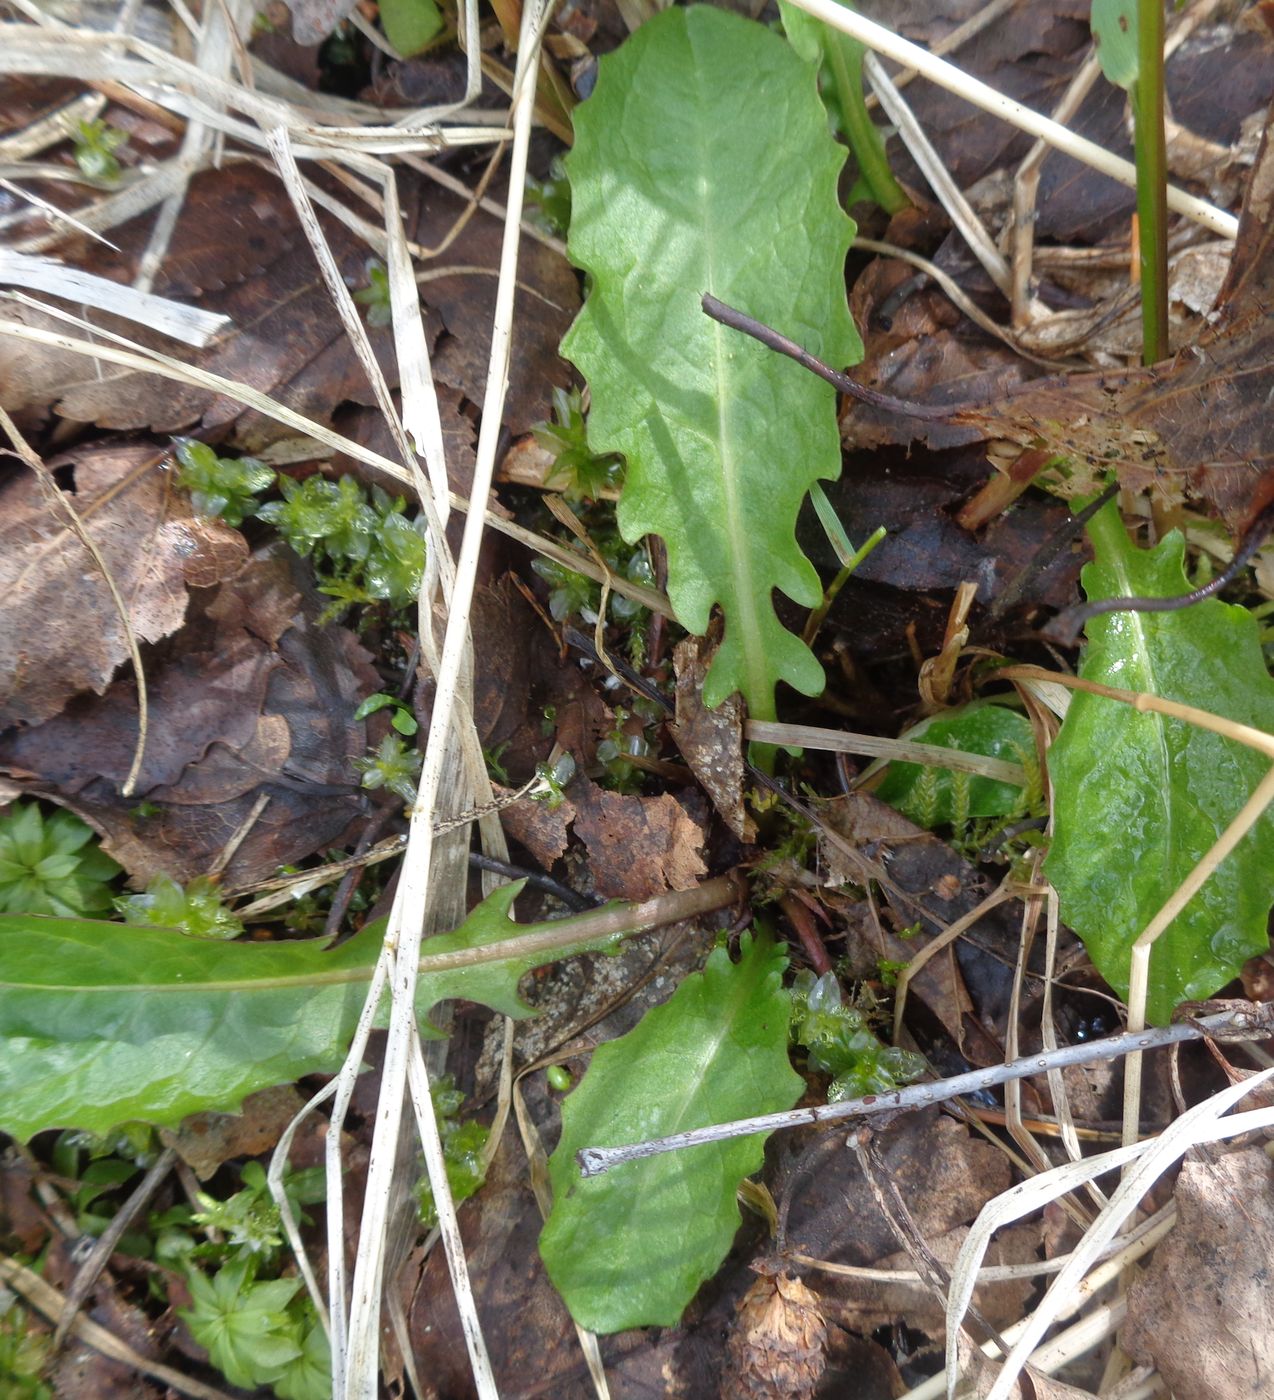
point(226, 487)
point(493, 758)
point(400, 715)
point(364, 548)
point(259, 1332)
point(23, 1353)
point(616, 752)
point(578, 473)
point(393, 766)
point(549, 200)
point(375, 295)
point(839, 1041)
point(462, 1145)
point(411, 25)
point(196, 909)
point(51, 865)
point(559, 1078)
point(552, 781)
point(95, 145)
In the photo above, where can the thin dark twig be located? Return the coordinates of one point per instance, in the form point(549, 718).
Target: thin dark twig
point(1250, 1021)
point(578, 903)
point(1073, 618)
point(774, 340)
point(1046, 553)
point(104, 1246)
point(376, 824)
point(803, 922)
point(1253, 539)
point(576, 639)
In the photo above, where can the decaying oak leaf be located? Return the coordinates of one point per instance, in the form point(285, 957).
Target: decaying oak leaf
point(205, 1141)
point(945, 1173)
point(251, 698)
point(777, 1348)
point(462, 290)
point(638, 846)
point(865, 1305)
point(63, 633)
point(241, 249)
point(541, 829)
point(1203, 1313)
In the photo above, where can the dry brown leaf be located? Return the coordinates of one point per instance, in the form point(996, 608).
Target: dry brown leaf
point(538, 827)
point(252, 697)
point(868, 1304)
point(966, 985)
point(63, 634)
point(711, 741)
point(1203, 1312)
point(944, 1173)
point(1192, 428)
point(638, 847)
point(545, 304)
point(240, 248)
point(206, 1140)
point(777, 1347)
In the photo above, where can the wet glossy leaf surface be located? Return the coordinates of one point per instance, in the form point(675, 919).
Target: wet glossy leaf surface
point(105, 1023)
point(1139, 798)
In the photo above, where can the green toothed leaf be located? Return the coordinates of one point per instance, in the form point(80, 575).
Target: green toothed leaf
point(703, 163)
point(104, 1023)
point(1114, 25)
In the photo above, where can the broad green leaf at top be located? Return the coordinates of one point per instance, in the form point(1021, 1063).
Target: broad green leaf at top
point(703, 163)
point(104, 1023)
point(410, 24)
point(631, 1248)
point(1139, 798)
point(1114, 25)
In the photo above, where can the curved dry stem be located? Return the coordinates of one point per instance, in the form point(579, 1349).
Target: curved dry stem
point(936, 945)
point(1141, 700)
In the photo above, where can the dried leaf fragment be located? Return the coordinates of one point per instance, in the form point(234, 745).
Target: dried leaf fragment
point(63, 633)
point(777, 1348)
point(638, 846)
point(711, 740)
point(1203, 1312)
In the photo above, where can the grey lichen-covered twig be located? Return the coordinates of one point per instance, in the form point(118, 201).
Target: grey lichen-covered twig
point(1243, 1021)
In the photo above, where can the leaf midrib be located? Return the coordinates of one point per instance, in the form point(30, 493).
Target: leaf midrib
point(743, 604)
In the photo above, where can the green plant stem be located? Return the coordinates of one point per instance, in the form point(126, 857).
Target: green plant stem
point(817, 617)
point(845, 57)
point(1152, 181)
